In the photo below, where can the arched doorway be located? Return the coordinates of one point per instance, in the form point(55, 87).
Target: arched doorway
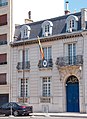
point(72, 94)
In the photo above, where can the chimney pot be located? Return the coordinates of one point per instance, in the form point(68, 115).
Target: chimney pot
point(29, 14)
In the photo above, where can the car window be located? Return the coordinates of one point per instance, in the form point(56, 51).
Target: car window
point(14, 105)
point(5, 105)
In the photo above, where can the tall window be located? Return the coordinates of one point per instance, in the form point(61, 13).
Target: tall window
point(23, 87)
point(23, 59)
point(46, 86)
point(47, 53)
point(26, 55)
point(72, 53)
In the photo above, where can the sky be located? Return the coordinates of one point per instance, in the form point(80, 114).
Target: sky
point(40, 9)
point(76, 5)
point(44, 9)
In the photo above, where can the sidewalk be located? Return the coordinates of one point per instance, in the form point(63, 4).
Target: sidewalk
point(66, 114)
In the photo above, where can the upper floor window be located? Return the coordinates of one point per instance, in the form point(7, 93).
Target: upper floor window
point(3, 59)
point(24, 54)
point(3, 2)
point(23, 62)
point(3, 80)
point(47, 28)
point(47, 53)
point(3, 19)
point(71, 23)
point(25, 32)
point(3, 39)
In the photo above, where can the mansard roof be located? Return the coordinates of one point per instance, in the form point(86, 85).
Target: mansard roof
point(59, 26)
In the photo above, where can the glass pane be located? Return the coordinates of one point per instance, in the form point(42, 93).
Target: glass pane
point(49, 53)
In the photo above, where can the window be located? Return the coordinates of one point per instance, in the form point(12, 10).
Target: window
point(47, 53)
point(46, 86)
point(3, 39)
point(23, 59)
point(23, 87)
point(26, 55)
point(72, 53)
point(3, 59)
point(3, 79)
point(3, 2)
point(47, 28)
point(25, 32)
point(71, 23)
point(3, 19)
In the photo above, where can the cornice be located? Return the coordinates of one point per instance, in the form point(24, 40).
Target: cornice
point(46, 39)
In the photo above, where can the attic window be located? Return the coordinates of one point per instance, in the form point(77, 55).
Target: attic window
point(47, 28)
point(25, 32)
point(71, 23)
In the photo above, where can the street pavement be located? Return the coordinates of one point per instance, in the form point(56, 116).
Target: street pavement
point(50, 116)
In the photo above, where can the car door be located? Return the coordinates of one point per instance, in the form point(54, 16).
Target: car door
point(4, 109)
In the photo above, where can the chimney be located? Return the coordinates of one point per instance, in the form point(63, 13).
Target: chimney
point(29, 20)
point(29, 14)
point(67, 9)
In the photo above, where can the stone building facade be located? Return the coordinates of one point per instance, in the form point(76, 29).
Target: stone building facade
point(5, 38)
point(56, 83)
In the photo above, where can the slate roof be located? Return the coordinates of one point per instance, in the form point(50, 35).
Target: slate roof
point(59, 26)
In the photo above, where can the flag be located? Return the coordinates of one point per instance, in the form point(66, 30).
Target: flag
point(41, 49)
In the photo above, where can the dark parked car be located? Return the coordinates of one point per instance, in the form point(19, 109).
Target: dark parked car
point(15, 109)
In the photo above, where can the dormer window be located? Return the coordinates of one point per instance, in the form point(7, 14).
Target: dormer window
point(71, 23)
point(25, 32)
point(47, 28)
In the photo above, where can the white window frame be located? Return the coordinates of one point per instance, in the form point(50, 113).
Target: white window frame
point(71, 23)
point(20, 55)
point(25, 32)
point(71, 52)
point(46, 54)
point(46, 86)
point(26, 86)
point(47, 28)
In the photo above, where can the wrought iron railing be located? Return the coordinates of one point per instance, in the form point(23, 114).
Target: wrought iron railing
point(73, 60)
point(21, 65)
point(45, 63)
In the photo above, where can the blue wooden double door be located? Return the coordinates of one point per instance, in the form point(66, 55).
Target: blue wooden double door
point(72, 94)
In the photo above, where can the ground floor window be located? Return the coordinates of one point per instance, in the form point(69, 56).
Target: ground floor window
point(23, 87)
point(46, 86)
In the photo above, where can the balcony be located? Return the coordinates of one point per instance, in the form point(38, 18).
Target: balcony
point(69, 61)
point(25, 66)
point(3, 4)
point(45, 63)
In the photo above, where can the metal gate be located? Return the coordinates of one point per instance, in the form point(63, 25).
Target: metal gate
point(72, 94)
